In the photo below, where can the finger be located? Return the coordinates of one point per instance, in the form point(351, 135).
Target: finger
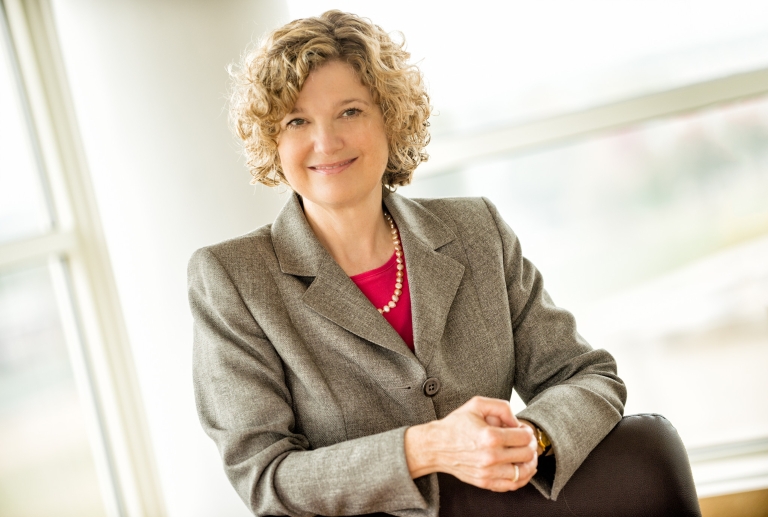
point(496, 408)
point(520, 455)
point(491, 458)
point(527, 470)
point(503, 478)
point(493, 437)
point(526, 474)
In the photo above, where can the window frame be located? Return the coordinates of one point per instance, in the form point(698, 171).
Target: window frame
point(103, 368)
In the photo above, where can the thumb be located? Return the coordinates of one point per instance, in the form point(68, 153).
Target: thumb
point(493, 421)
point(495, 412)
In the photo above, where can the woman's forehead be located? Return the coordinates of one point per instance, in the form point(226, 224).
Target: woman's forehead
point(333, 84)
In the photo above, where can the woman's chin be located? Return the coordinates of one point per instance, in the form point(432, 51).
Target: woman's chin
point(344, 197)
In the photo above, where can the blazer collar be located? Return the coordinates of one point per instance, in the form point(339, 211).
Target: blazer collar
point(296, 246)
point(413, 218)
point(300, 253)
point(434, 278)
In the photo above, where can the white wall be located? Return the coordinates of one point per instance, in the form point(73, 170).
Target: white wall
point(149, 80)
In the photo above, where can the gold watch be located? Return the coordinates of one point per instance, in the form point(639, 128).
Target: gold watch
point(543, 440)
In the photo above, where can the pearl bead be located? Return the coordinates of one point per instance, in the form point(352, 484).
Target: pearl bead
point(400, 266)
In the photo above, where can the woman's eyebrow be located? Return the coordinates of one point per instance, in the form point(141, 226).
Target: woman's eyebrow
point(354, 99)
point(297, 109)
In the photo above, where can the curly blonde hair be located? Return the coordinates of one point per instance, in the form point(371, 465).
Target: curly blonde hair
point(268, 80)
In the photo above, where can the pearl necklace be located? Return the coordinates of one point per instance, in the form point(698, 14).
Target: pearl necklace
point(400, 266)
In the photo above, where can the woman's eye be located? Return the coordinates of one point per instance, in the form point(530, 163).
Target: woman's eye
point(351, 112)
point(296, 122)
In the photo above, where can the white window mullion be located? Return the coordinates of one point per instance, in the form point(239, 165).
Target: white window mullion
point(83, 369)
point(23, 250)
point(452, 151)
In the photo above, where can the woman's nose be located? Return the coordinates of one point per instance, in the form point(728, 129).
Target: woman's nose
point(327, 139)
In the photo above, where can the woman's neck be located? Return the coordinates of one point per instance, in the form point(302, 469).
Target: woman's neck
point(357, 237)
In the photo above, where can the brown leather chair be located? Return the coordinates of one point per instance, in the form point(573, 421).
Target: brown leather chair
point(640, 469)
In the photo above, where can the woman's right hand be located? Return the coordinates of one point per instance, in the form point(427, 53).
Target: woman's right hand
point(479, 443)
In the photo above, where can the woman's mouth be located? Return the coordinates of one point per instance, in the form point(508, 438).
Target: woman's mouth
point(332, 168)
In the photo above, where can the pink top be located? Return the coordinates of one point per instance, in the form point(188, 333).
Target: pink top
point(379, 285)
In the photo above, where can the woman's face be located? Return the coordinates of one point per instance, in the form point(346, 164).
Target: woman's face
point(333, 144)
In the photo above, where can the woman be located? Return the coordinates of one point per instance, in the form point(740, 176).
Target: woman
point(364, 342)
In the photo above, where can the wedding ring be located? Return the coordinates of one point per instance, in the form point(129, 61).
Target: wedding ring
point(517, 473)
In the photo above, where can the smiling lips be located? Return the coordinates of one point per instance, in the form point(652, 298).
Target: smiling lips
point(332, 168)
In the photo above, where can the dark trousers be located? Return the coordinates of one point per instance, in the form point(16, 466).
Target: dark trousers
point(639, 469)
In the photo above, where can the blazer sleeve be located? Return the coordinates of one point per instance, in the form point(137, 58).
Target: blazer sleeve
point(571, 390)
point(245, 406)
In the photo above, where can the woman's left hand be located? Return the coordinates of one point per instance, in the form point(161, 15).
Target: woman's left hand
point(480, 443)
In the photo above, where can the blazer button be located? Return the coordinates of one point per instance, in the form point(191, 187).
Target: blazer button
point(431, 386)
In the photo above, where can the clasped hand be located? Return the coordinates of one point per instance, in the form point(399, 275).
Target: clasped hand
point(479, 443)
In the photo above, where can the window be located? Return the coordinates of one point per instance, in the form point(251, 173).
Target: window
point(71, 436)
point(626, 144)
point(48, 466)
point(656, 237)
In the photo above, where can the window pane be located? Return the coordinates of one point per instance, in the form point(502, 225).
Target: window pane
point(23, 210)
point(46, 464)
point(498, 63)
point(657, 238)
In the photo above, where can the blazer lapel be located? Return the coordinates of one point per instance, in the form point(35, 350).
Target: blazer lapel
point(331, 294)
point(433, 277)
point(334, 296)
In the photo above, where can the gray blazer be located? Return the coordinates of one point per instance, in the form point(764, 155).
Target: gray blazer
point(307, 390)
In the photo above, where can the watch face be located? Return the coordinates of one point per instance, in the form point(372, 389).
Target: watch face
point(542, 438)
